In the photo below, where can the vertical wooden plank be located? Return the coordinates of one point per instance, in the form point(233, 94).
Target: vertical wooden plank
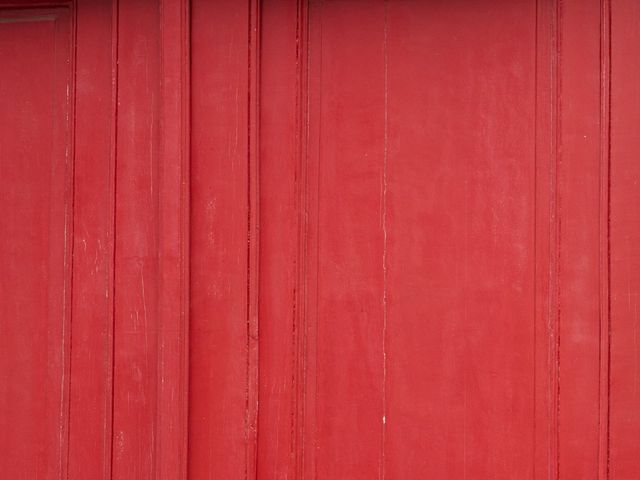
point(460, 230)
point(625, 238)
point(173, 194)
point(90, 433)
point(36, 242)
point(279, 240)
point(345, 274)
point(136, 243)
point(579, 207)
point(219, 331)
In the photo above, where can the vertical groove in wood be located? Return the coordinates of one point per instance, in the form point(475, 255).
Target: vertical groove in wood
point(68, 241)
point(253, 170)
point(299, 337)
point(310, 70)
point(546, 249)
point(185, 190)
point(110, 287)
point(605, 164)
point(553, 301)
point(173, 195)
point(544, 243)
point(554, 273)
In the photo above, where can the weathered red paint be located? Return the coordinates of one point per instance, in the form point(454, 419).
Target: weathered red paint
point(326, 239)
point(36, 237)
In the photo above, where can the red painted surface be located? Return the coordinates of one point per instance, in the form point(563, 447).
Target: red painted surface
point(624, 420)
point(218, 408)
point(36, 220)
point(315, 240)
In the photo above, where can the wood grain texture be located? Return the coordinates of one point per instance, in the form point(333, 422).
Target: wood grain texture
point(555, 225)
point(347, 64)
point(462, 253)
point(580, 237)
point(173, 248)
point(91, 389)
point(219, 350)
point(319, 239)
point(253, 234)
point(624, 401)
point(279, 332)
point(37, 239)
point(332, 126)
point(137, 213)
point(546, 368)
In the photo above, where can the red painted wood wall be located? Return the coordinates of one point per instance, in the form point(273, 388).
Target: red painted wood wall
point(319, 240)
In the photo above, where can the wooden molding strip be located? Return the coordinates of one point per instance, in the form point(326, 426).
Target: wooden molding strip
point(173, 168)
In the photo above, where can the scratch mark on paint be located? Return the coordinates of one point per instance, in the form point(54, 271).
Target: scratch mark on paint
point(384, 244)
point(144, 308)
point(152, 139)
point(635, 344)
point(464, 429)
